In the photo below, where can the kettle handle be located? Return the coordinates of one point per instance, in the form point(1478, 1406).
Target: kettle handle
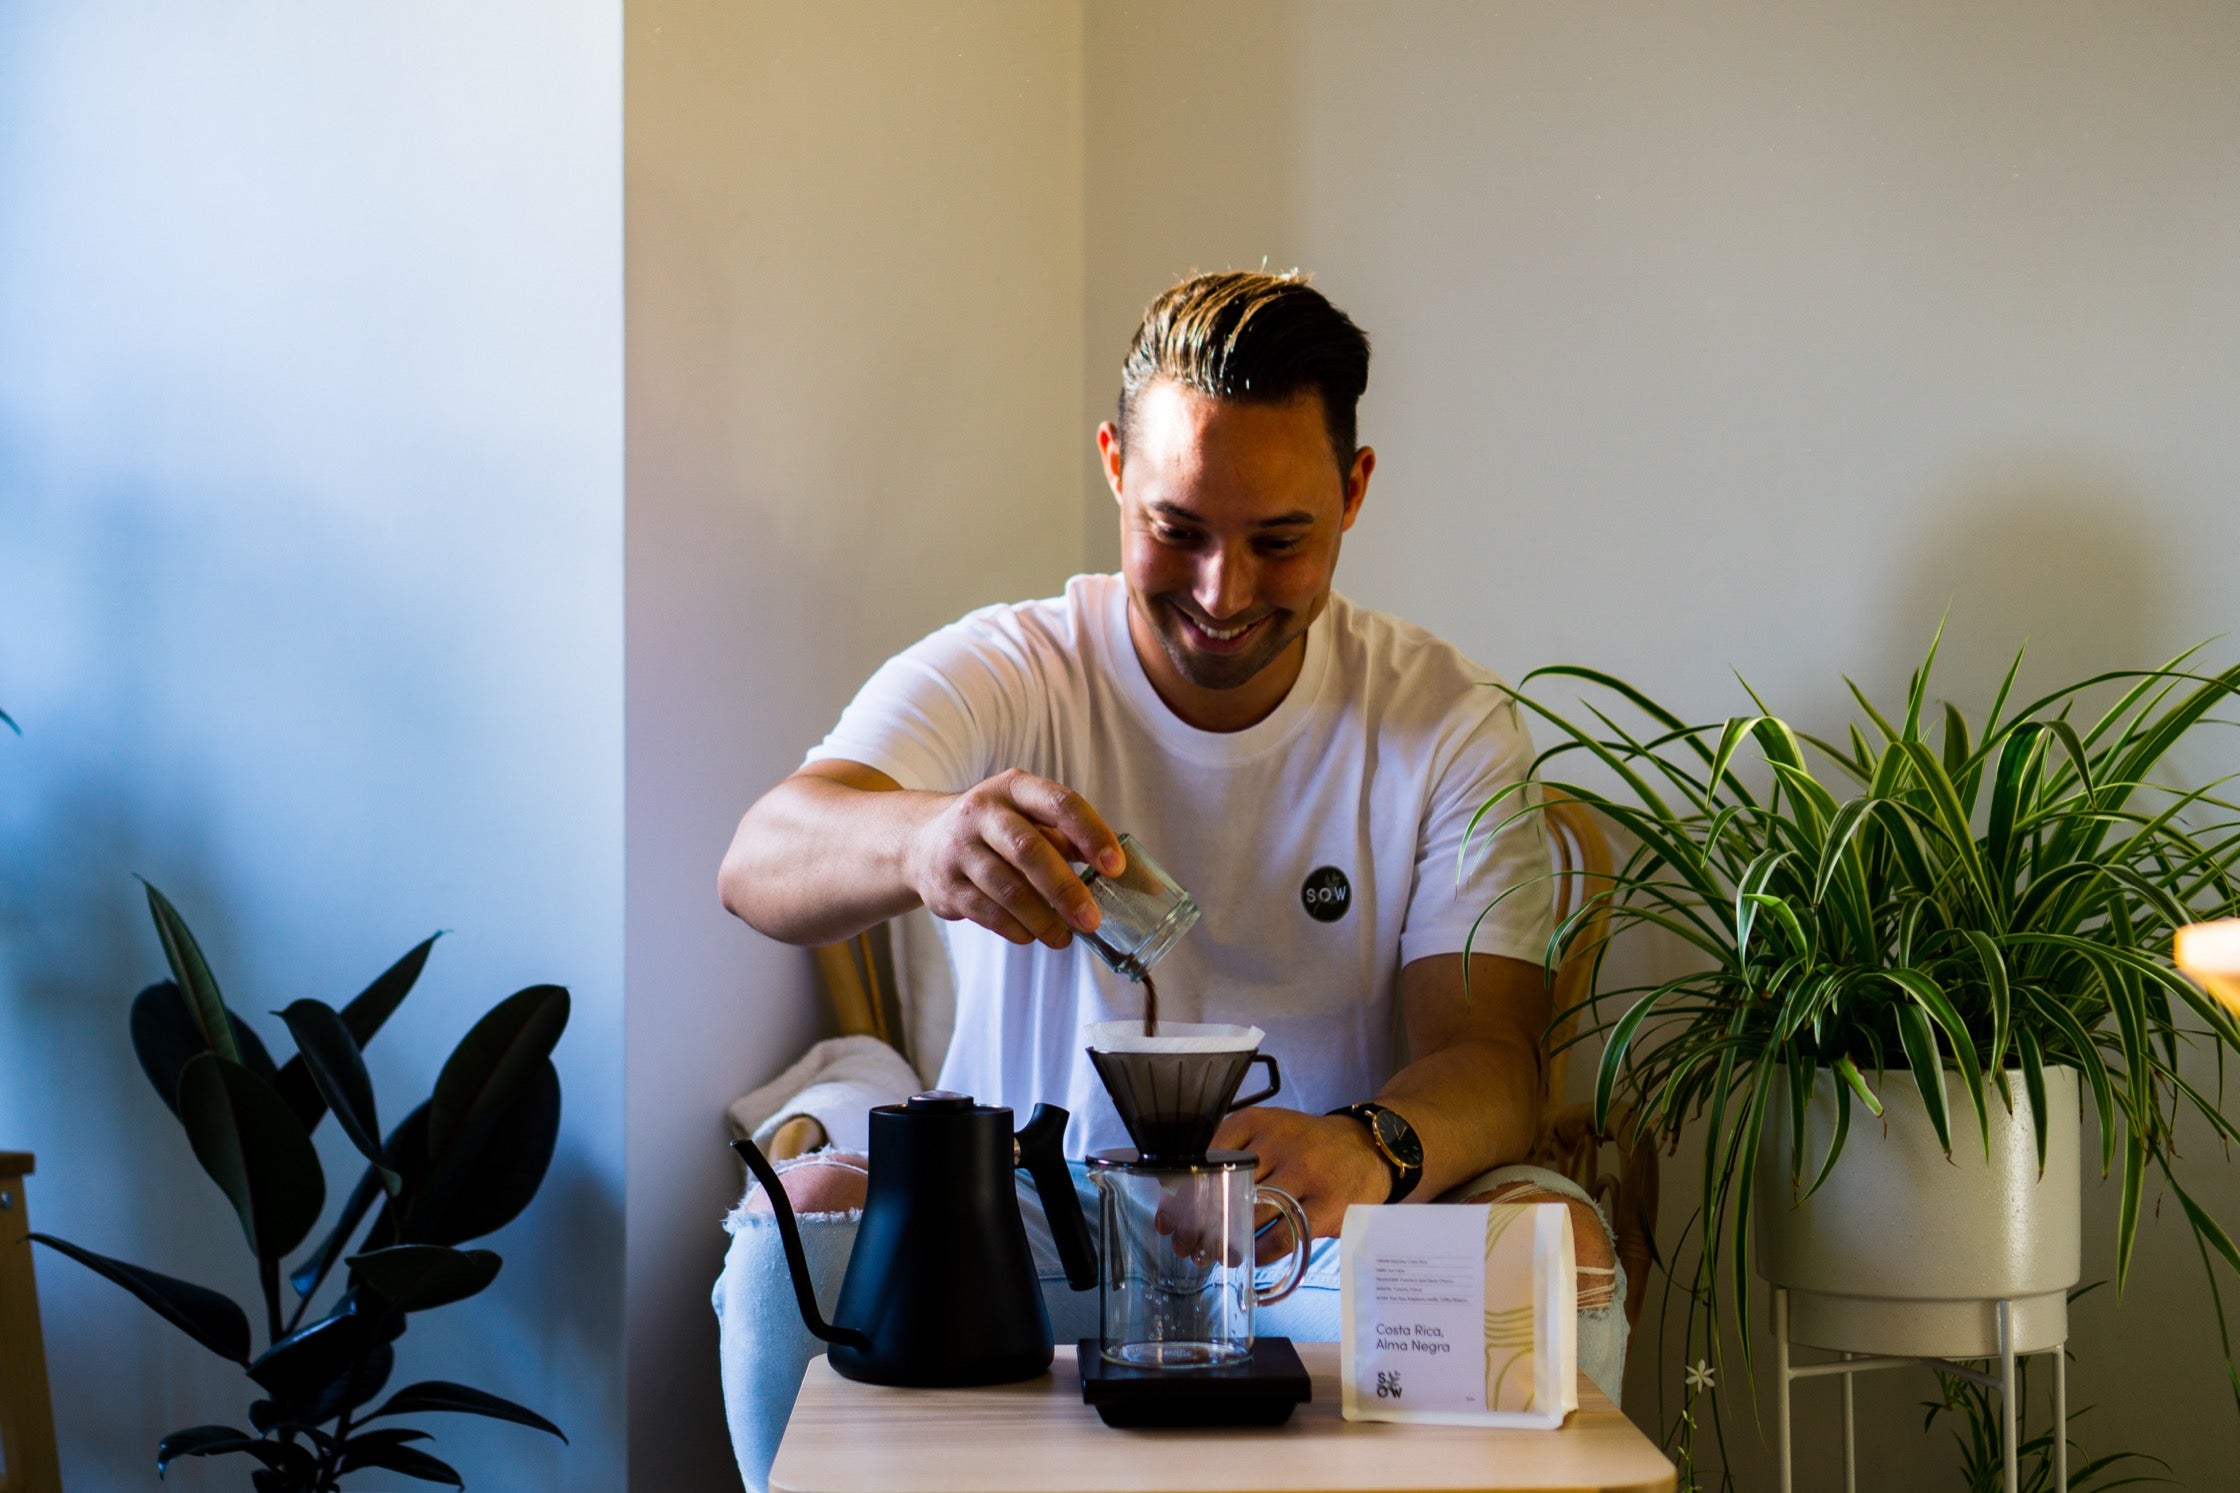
point(797, 1263)
point(1041, 1143)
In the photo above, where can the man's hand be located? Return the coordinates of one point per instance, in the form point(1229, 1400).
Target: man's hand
point(999, 854)
point(840, 846)
point(1327, 1162)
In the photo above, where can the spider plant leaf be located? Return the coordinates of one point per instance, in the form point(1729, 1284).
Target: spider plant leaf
point(1802, 1071)
point(2127, 1215)
point(1799, 943)
point(1928, 1072)
point(1849, 1073)
point(192, 973)
point(2086, 1055)
point(2034, 1083)
point(1955, 744)
point(1934, 1001)
point(1994, 968)
point(2011, 787)
point(1918, 688)
point(1614, 1053)
point(1843, 1129)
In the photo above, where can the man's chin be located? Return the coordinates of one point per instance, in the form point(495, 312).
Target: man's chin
point(1219, 671)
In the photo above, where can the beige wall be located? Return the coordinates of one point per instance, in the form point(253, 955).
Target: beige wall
point(1751, 336)
point(854, 349)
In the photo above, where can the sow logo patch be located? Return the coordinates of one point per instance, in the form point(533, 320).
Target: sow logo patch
point(1327, 894)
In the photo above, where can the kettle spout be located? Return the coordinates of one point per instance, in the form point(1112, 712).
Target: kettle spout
point(797, 1263)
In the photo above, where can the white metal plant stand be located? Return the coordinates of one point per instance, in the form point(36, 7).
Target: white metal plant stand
point(2003, 1381)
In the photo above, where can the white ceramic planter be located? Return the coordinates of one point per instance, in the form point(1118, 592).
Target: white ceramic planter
point(1905, 1251)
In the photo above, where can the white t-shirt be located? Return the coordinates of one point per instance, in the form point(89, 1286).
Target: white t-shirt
point(1372, 767)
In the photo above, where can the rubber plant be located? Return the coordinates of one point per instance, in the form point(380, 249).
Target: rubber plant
point(1926, 895)
point(459, 1166)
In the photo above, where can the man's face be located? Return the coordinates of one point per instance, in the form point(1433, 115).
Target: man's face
point(1230, 519)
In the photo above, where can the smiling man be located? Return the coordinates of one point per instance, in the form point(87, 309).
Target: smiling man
point(1307, 767)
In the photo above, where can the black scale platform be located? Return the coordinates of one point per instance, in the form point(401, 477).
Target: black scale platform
point(1260, 1391)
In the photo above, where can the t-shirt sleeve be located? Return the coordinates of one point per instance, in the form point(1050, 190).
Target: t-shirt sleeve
point(1505, 877)
point(941, 715)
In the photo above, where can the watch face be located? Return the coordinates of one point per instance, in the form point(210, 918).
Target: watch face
point(1399, 1138)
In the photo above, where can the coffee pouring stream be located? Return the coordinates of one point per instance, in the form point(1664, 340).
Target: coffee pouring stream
point(941, 1290)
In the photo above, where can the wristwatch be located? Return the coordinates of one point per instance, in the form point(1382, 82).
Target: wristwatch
point(1396, 1143)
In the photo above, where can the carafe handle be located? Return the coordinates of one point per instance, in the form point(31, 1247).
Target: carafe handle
point(1041, 1150)
point(797, 1263)
point(1287, 1207)
point(1275, 1082)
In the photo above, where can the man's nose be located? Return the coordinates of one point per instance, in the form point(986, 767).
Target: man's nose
point(1225, 582)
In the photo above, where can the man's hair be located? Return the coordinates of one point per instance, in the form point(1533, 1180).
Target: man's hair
point(1243, 334)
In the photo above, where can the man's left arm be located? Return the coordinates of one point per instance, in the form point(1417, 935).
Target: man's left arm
point(1471, 1092)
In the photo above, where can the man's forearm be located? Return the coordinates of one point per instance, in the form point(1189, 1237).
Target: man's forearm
point(1475, 1105)
point(816, 861)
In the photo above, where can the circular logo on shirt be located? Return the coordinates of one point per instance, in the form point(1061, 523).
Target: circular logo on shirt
point(1327, 894)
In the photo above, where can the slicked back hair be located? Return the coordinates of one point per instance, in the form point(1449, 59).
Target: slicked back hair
point(1248, 335)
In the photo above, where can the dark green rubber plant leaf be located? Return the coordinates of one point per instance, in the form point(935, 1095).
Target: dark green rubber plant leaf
point(417, 1277)
point(330, 1054)
point(353, 1388)
point(312, 1273)
point(201, 1313)
point(192, 972)
point(218, 1441)
point(296, 1369)
point(364, 1016)
point(255, 1149)
point(391, 1457)
point(497, 1057)
point(488, 1176)
point(165, 1035)
point(441, 1395)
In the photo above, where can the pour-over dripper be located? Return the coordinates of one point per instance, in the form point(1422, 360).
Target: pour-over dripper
point(1172, 1089)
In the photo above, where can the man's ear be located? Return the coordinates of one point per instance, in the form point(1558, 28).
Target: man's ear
point(1108, 452)
point(1357, 485)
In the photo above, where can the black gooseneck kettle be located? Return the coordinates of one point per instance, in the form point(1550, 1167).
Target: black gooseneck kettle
point(941, 1290)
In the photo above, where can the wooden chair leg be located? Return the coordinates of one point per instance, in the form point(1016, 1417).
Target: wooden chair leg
point(26, 1414)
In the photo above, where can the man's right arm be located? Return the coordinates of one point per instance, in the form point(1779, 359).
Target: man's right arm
point(840, 846)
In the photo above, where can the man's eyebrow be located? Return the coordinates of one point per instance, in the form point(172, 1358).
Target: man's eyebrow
point(1296, 518)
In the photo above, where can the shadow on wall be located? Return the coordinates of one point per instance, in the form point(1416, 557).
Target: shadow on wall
point(2055, 559)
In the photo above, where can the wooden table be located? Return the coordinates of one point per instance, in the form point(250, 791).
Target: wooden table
point(1038, 1437)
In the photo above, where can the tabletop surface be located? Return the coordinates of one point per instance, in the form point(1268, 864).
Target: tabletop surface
point(1038, 1437)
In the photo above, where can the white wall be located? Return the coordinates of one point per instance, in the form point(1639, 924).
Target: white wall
point(1751, 336)
point(310, 607)
point(855, 342)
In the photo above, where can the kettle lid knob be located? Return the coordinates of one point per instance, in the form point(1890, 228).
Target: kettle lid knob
point(939, 1101)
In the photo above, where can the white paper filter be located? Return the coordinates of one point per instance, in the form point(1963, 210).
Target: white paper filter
point(1174, 1036)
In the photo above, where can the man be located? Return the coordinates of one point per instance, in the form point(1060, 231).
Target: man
point(1307, 768)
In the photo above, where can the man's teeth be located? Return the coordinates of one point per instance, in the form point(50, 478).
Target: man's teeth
point(1219, 634)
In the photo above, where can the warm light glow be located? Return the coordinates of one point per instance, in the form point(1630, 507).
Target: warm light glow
point(2210, 953)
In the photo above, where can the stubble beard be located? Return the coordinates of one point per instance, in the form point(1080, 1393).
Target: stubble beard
point(1223, 672)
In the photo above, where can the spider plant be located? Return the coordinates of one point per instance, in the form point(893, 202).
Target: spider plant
point(1925, 895)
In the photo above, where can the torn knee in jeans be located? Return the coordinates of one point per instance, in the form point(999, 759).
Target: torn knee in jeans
point(1597, 1257)
point(820, 1182)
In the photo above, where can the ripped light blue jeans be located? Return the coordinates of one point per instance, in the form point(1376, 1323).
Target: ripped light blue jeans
point(765, 1347)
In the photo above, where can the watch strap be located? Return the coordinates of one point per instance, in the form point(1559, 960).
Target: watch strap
point(1405, 1174)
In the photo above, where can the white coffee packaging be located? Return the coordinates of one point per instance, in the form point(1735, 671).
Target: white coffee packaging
point(1460, 1314)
